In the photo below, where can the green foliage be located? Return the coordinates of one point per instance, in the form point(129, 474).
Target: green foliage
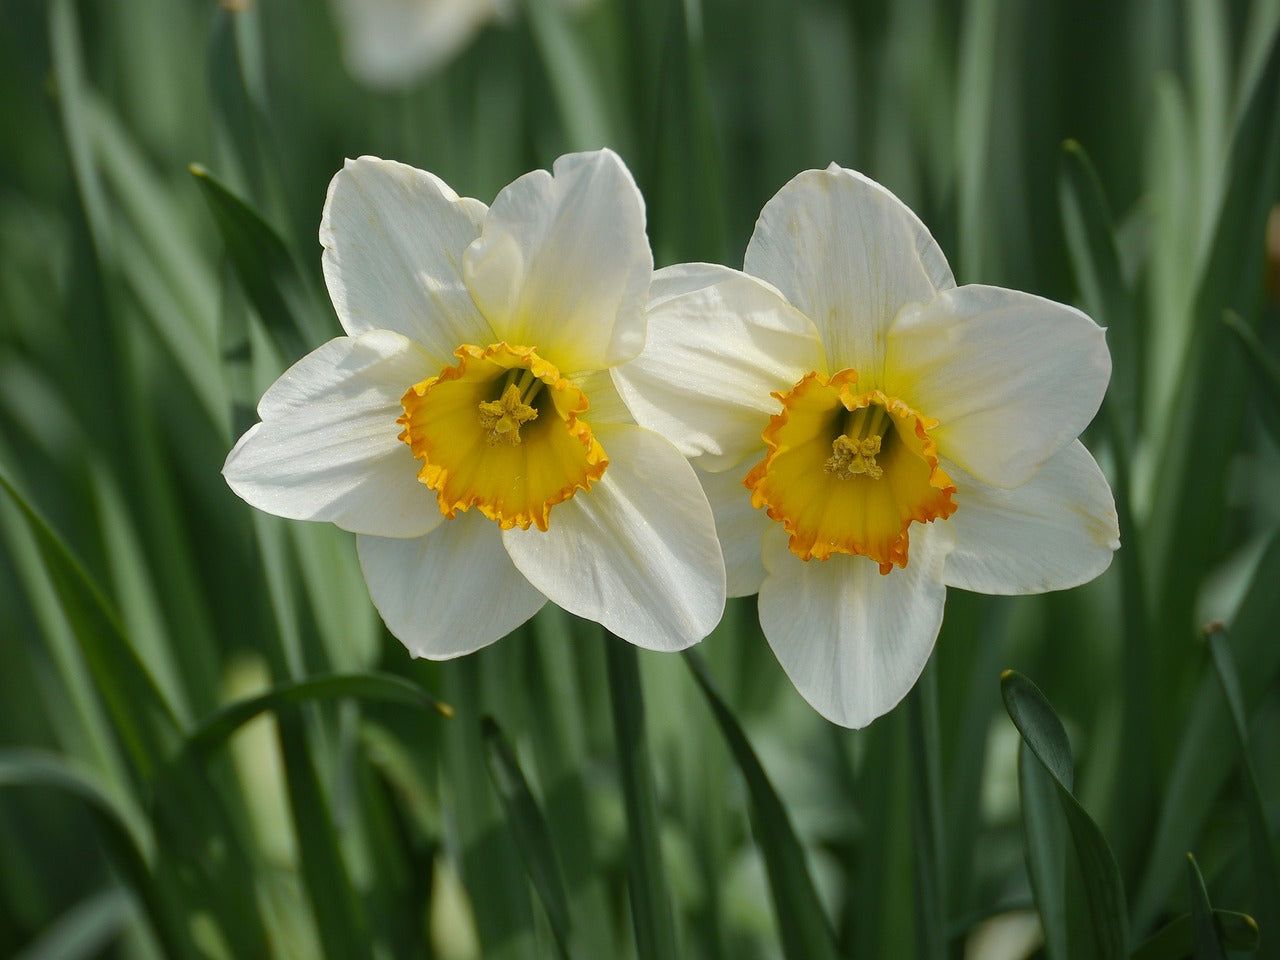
point(210, 748)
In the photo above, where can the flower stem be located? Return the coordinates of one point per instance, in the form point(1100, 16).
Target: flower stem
point(650, 902)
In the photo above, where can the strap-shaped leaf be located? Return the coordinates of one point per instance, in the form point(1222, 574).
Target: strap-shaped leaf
point(1173, 941)
point(804, 928)
point(646, 878)
point(530, 830)
point(1266, 888)
point(262, 265)
point(1044, 734)
point(215, 729)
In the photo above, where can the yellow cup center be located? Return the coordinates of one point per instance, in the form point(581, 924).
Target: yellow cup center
point(849, 472)
point(501, 431)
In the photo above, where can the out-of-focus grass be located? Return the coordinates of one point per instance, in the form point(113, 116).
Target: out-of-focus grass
point(137, 593)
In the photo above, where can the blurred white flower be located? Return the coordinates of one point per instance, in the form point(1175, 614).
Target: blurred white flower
point(391, 43)
point(468, 429)
point(896, 434)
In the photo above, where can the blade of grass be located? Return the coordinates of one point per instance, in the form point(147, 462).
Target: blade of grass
point(1043, 732)
point(530, 830)
point(646, 878)
point(804, 928)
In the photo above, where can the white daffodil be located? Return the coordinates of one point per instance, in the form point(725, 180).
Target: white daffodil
point(390, 43)
point(895, 434)
point(468, 429)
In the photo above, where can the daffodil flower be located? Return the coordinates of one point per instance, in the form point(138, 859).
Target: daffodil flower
point(870, 433)
point(467, 427)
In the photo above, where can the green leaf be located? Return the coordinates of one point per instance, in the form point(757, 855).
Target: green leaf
point(1045, 850)
point(530, 830)
point(214, 730)
point(1266, 370)
point(927, 844)
point(339, 914)
point(144, 721)
point(1201, 765)
point(804, 927)
point(575, 80)
point(1205, 937)
point(1105, 295)
point(84, 931)
point(126, 835)
point(1174, 940)
point(1044, 734)
point(646, 878)
point(1266, 888)
point(262, 264)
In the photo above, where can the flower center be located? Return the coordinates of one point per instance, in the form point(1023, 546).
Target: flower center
point(500, 431)
point(849, 472)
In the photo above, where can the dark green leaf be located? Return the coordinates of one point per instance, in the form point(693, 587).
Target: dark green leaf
point(1266, 369)
point(262, 265)
point(1266, 889)
point(1045, 850)
point(126, 836)
point(1044, 734)
point(647, 882)
point(1174, 940)
point(214, 730)
point(1204, 932)
point(530, 830)
point(144, 721)
point(804, 927)
point(84, 931)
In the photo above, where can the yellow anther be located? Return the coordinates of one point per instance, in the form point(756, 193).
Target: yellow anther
point(854, 458)
point(503, 417)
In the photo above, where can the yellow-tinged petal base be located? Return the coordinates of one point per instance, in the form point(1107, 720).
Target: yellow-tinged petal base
point(849, 472)
point(500, 431)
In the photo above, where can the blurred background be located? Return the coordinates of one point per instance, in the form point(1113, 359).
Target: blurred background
point(209, 746)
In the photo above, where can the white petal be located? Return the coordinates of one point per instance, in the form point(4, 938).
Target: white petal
point(720, 342)
point(1012, 377)
point(1058, 530)
point(393, 238)
point(390, 43)
point(853, 641)
point(327, 447)
point(637, 552)
point(448, 593)
point(740, 527)
point(564, 263)
point(850, 255)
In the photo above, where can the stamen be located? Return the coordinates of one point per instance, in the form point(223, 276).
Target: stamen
point(503, 417)
point(853, 453)
point(852, 458)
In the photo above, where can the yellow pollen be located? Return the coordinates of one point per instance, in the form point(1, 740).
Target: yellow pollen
point(854, 458)
point(502, 418)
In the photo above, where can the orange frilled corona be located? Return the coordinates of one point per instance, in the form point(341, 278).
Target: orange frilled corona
point(849, 472)
point(501, 431)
